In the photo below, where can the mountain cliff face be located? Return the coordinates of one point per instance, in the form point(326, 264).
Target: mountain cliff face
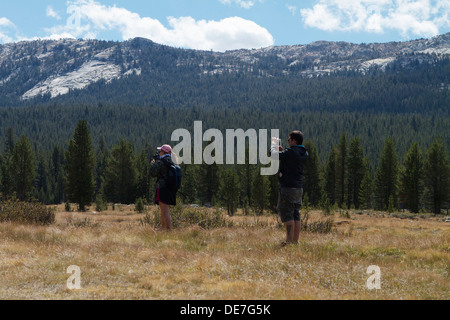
point(324, 57)
point(50, 69)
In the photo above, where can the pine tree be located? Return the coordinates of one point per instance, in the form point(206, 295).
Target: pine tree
point(7, 174)
point(208, 182)
point(330, 177)
point(260, 192)
point(120, 175)
point(41, 183)
point(341, 171)
point(189, 186)
point(246, 172)
point(9, 143)
point(386, 178)
point(355, 175)
point(365, 194)
point(23, 168)
point(6, 165)
point(144, 187)
point(312, 182)
point(229, 189)
point(57, 174)
point(80, 185)
point(100, 164)
point(274, 183)
point(437, 176)
point(411, 178)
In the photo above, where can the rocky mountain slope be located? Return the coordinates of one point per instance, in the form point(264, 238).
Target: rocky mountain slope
point(323, 57)
point(53, 68)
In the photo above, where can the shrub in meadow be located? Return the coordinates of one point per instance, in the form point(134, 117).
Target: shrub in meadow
point(26, 212)
point(188, 216)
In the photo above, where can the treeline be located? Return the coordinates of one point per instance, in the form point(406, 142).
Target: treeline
point(53, 125)
point(84, 175)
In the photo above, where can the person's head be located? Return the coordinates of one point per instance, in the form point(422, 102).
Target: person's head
point(295, 138)
point(165, 149)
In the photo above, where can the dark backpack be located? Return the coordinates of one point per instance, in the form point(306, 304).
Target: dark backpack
point(174, 176)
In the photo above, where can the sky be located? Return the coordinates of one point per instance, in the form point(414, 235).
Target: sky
point(221, 25)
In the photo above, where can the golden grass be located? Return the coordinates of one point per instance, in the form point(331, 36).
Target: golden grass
point(121, 258)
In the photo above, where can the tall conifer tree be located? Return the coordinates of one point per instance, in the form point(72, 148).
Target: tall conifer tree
point(6, 165)
point(356, 170)
point(341, 171)
point(7, 174)
point(144, 188)
point(312, 183)
point(411, 178)
point(100, 165)
point(208, 183)
point(386, 178)
point(189, 188)
point(366, 188)
point(57, 174)
point(330, 176)
point(260, 192)
point(229, 189)
point(437, 176)
point(80, 185)
point(9, 142)
point(121, 175)
point(24, 168)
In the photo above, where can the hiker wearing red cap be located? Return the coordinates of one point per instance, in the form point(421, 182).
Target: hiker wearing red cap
point(165, 195)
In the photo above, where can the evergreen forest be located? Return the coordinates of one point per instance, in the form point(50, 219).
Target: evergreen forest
point(85, 170)
point(377, 140)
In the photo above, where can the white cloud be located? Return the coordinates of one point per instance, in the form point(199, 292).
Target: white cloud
point(5, 22)
point(88, 18)
point(5, 28)
point(320, 17)
point(408, 17)
point(52, 13)
point(226, 34)
point(246, 4)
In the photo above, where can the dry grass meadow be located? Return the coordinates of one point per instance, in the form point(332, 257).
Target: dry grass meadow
point(121, 258)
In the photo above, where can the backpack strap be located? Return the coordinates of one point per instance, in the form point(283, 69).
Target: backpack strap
point(167, 163)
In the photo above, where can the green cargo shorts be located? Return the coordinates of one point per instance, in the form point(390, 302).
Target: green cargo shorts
point(289, 204)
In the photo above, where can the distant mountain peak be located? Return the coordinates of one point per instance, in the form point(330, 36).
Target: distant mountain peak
point(57, 67)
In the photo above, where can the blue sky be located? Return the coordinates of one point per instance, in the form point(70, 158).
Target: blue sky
point(225, 24)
